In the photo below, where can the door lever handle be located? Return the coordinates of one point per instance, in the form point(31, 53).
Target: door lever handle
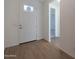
point(20, 26)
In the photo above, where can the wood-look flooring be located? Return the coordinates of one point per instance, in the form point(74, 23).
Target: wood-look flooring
point(40, 49)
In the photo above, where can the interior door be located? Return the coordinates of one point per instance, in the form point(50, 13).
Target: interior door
point(27, 23)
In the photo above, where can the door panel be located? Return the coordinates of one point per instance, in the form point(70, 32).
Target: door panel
point(28, 22)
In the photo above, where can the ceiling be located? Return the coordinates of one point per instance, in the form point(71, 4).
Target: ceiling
point(45, 0)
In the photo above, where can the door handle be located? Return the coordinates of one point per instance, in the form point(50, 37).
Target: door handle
point(20, 26)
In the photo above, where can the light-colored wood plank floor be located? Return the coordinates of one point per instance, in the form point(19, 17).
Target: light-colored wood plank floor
point(40, 49)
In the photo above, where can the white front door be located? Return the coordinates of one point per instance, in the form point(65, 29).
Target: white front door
point(27, 23)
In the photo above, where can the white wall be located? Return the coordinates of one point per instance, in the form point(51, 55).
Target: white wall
point(39, 20)
point(10, 20)
point(66, 41)
point(67, 27)
point(46, 20)
point(67, 16)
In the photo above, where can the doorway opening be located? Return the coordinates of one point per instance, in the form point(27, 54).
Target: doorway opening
point(54, 20)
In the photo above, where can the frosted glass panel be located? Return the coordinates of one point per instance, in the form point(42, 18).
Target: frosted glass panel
point(28, 8)
point(52, 19)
